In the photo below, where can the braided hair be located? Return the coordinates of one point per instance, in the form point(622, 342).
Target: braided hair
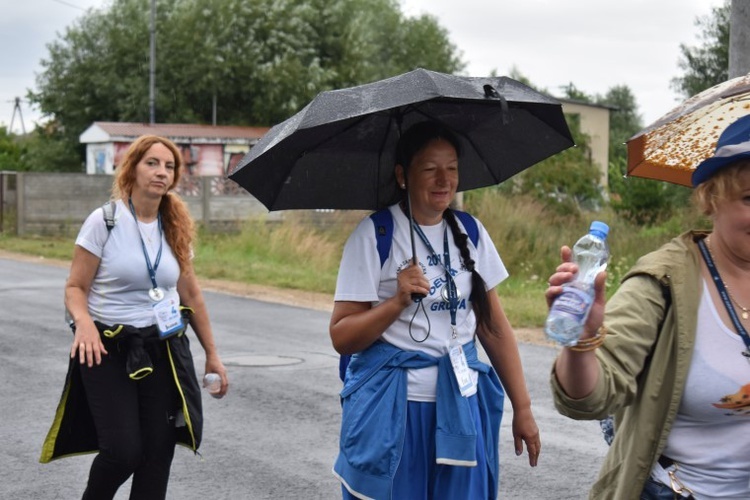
point(410, 143)
point(478, 296)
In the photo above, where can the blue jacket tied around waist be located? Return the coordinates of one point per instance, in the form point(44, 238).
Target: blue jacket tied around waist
point(374, 416)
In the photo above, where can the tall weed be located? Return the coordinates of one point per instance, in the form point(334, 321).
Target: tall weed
point(528, 238)
point(291, 254)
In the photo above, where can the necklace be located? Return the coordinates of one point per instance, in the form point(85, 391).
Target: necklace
point(150, 236)
point(745, 311)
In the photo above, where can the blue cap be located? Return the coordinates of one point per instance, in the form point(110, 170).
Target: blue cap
point(733, 145)
point(599, 227)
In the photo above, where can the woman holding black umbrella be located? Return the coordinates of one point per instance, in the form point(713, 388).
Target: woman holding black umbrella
point(421, 414)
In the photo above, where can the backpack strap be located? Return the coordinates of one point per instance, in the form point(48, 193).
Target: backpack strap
point(470, 224)
point(108, 210)
point(383, 221)
point(383, 225)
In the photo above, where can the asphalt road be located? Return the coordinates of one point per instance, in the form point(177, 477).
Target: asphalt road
point(274, 436)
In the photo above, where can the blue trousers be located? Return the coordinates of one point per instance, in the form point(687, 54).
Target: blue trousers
point(418, 477)
point(135, 425)
point(654, 490)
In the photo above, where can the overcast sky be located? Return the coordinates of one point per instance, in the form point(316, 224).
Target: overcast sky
point(595, 44)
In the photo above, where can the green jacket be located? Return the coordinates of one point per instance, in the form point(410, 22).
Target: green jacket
point(644, 363)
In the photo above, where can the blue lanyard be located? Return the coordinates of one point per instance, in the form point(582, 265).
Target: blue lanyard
point(724, 296)
point(151, 268)
point(449, 283)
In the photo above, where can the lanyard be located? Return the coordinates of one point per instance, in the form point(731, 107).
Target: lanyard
point(724, 296)
point(151, 268)
point(450, 285)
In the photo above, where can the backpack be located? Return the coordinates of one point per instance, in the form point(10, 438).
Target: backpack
point(383, 224)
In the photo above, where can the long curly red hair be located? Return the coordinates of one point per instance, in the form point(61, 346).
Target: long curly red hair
point(179, 229)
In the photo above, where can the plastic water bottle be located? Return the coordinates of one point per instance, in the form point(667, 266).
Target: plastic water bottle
point(212, 383)
point(568, 313)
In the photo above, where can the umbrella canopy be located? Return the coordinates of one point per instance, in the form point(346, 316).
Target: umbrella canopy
point(673, 146)
point(339, 151)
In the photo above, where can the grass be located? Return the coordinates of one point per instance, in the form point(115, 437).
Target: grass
point(301, 255)
point(50, 247)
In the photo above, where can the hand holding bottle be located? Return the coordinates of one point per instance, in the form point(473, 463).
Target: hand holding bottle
point(565, 273)
point(582, 280)
point(212, 384)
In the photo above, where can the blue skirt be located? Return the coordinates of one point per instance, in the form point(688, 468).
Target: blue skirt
point(418, 477)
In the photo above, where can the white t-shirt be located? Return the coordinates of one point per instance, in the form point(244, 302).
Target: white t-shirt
point(119, 292)
point(361, 279)
point(710, 443)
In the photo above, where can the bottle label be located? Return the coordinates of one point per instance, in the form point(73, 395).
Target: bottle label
point(573, 302)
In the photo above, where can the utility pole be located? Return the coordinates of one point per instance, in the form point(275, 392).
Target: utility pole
point(152, 66)
point(17, 107)
point(739, 38)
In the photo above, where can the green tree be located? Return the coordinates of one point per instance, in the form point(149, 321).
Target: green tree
point(570, 91)
point(516, 74)
point(566, 182)
point(259, 61)
point(10, 151)
point(643, 201)
point(624, 120)
point(707, 64)
point(646, 201)
point(36, 152)
point(47, 150)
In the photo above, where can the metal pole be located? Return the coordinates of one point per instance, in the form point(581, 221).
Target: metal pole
point(17, 107)
point(152, 66)
point(739, 38)
point(2, 200)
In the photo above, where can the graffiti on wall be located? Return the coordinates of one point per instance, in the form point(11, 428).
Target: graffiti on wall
point(210, 160)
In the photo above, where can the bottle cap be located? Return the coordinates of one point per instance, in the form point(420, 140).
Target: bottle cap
point(212, 382)
point(600, 228)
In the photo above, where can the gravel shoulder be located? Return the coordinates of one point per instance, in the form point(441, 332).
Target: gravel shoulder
point(299, 298)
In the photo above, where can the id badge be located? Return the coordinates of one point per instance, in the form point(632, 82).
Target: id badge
point(461, 370)
point(168, 317)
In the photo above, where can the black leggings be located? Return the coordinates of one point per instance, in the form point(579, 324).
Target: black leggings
point(135, 425)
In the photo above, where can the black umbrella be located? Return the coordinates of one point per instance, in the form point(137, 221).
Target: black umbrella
point(339, 151)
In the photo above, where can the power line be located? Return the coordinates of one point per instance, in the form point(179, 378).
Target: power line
point(70, 5)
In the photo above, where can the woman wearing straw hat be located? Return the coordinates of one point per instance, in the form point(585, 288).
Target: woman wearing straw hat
point(670, 357)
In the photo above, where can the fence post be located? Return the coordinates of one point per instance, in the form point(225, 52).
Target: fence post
point(206, 200)
point(2, 201)
point(20, 204)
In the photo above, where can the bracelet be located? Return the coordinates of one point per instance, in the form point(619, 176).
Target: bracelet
point(592, 343)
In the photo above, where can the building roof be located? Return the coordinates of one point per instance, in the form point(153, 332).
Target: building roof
point(177, 132)
point(584, 103)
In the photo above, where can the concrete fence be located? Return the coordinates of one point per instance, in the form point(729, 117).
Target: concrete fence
point(58, 203)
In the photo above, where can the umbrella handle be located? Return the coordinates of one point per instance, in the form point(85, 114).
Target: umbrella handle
point(416, 297)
